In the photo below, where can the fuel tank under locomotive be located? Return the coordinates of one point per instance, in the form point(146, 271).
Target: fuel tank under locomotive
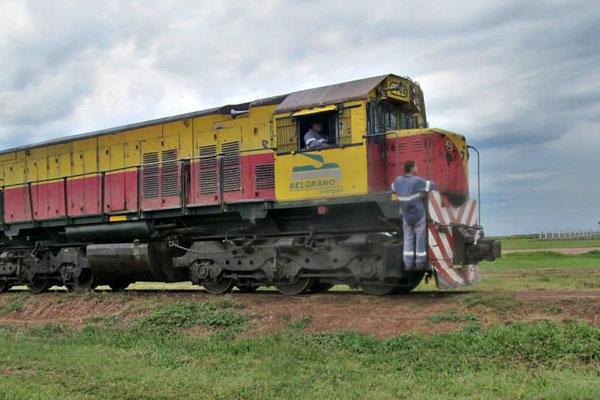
point(133, 262)
point(120, 257)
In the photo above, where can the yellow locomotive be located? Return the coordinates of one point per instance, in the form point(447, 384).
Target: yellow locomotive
point(232, 197)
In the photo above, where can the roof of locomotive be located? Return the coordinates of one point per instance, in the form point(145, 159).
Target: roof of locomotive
point(330, 94)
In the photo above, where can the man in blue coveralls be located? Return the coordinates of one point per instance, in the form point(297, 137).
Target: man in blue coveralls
point(411, 191)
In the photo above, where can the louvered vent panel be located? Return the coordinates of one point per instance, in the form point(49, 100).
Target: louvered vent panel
point(402, 147)
point(231, 166)
point(208, 169)
point(417, 145)
point(169, 173)
point(264, 176)
point(150, 172)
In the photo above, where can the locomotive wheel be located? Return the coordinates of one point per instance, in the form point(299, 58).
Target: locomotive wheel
point(410, 282)
point(4, 286)
point(39, 285)
point(296, 287)
point(83, 283)
point(320, 287)
point(118, 286)
point(221, 286)
point(378, 289)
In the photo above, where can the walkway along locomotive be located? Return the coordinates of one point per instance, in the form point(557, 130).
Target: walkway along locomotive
point(230, 197)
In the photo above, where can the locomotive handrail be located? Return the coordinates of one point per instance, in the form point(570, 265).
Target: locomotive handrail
point(132, 167)
point(336, 146)
point(395, 132)
point(101, 175)
point(366, 136)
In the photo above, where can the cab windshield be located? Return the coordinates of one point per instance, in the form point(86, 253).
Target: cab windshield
point(389, 115)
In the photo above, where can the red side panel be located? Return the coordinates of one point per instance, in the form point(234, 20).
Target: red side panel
point(39, 196)
point(204, 183)
point(76, 196)
point(401, 149)
point(131, 191)
point(114, 192)
point(16, 205)
point(233, 196)
point(447, 167)
point(56, 199)
point(48, 200)
point(436, 156)
point(120, 192)
point(258, 177)
point(84, 196)
point(93, 191)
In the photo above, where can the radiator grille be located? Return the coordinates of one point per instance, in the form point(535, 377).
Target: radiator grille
point(264, 176)
point(150, 173)
point(231, 166)
point(208, 169)
point(169, 173)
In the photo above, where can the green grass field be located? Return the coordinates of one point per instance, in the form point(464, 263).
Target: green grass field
point(542, 270)
point(525, 244)
point(542, 260)
point(153, 359)
point(200, 350)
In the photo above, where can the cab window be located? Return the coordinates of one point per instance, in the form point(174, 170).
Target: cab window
point(291, 130)
point(390, 115)
point(325, 121)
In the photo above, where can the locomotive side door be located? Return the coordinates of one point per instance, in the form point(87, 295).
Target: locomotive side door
point(83, 186)
point(16, 197)
point(112, 162)
point(58, 165)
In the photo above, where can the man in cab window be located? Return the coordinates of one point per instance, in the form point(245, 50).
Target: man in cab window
point(313, 138)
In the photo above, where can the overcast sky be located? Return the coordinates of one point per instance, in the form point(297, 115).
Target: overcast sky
point(521, 80)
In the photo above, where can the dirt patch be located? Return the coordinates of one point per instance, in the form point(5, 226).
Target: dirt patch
point(419, 312)
point(347, 311)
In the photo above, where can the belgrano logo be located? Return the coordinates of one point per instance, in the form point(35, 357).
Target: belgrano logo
point(325, 177)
